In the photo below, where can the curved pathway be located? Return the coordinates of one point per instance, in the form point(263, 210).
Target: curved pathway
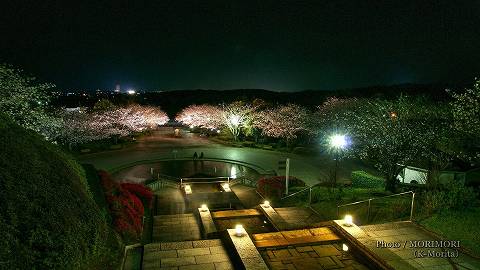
point(161, 145)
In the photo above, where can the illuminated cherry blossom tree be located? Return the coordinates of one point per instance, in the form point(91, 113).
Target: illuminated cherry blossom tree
point(204, 116)
point(466, 116)
point(26, 101)
point(81, 127)
point(284, 121)
point(236, 115)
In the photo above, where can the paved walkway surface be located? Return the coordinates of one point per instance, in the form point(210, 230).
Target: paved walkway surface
point(310, 257)
point(170, 201)
point(187, 255)
point(168, 228)
point(161, 146)
point(299, 217)
point(290, 218)
point(247, 196)
point(295, 237)
point(405, 256)
point(236, 213)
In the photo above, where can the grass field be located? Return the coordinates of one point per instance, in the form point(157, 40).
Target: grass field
point(457, 225)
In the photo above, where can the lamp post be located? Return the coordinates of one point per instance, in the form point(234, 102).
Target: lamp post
point(235, 121)
point(338, 143)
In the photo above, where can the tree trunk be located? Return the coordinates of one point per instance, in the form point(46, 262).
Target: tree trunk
point(391, 183)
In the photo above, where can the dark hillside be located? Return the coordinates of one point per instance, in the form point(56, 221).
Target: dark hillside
point(48, 218)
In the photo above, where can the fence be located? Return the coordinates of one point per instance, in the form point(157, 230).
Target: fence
point(393, 207)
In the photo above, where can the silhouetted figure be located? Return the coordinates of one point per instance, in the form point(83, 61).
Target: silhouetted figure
point(195, 155)
point(201, 155)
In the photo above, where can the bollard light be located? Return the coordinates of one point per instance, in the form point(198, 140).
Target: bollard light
point(204, 208)
point(348, 220)
point(266, 204)
point(345, 247)
point(239, 230)
point(226, 187)
point(188, 189)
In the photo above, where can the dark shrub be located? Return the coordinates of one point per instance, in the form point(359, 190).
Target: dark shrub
point(273, 188)
point(48, 217)
point(453, 197)
point(361, 179)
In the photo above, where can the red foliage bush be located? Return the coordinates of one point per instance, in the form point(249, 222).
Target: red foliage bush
point(141, 191)
point(126, 205)
point(274, 187)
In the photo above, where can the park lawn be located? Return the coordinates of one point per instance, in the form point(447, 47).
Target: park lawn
point(325, 201)
point(457, 225)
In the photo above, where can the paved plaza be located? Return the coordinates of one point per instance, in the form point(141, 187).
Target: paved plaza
point(187, 255)
point(310, 257)
point(180, 227)
point(404, 257)
point(311, 169)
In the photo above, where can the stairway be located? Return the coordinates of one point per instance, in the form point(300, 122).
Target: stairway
point(172, 228)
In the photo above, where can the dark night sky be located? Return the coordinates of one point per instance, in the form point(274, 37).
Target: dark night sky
point(242, 44)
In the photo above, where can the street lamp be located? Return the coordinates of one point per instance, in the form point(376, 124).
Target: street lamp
point(337, 142)
point(235, 120)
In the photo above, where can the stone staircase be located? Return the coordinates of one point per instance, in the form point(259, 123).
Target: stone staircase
point(172, 228)
point(187, 255)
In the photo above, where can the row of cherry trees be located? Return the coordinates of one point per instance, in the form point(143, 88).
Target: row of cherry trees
point(384, 132)
point(240, 118)
point(113, 122)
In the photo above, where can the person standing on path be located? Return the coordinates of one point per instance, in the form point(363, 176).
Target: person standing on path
point(195, 155)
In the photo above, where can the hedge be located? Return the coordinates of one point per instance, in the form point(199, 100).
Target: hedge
point(48, 217)
point(362, 179)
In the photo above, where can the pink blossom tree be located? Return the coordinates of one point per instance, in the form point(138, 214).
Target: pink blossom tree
point(204, 116)
point(284, 121)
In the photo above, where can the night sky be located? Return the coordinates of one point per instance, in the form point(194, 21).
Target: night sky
point(162, 45)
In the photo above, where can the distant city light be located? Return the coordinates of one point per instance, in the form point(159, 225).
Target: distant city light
point(131, 92)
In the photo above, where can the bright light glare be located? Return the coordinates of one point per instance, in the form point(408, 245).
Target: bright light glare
point(338, 141)
point(188, 189)
point(344, 247)
point(235, 120)
point(348, 220)
point(131, 92)
point(233, 172)
point(204, 208)
point(239, 230)
point(226, 187)
point(266, 204)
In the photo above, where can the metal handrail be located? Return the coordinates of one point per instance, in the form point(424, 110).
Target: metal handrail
point(206, 178)
point(209, 182)
point(300, 191)
point(377, 198)
point(293, 194)
point(371, 199)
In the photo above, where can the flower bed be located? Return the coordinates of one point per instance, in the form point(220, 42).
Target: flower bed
point(273, 188)
point(126, 203)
